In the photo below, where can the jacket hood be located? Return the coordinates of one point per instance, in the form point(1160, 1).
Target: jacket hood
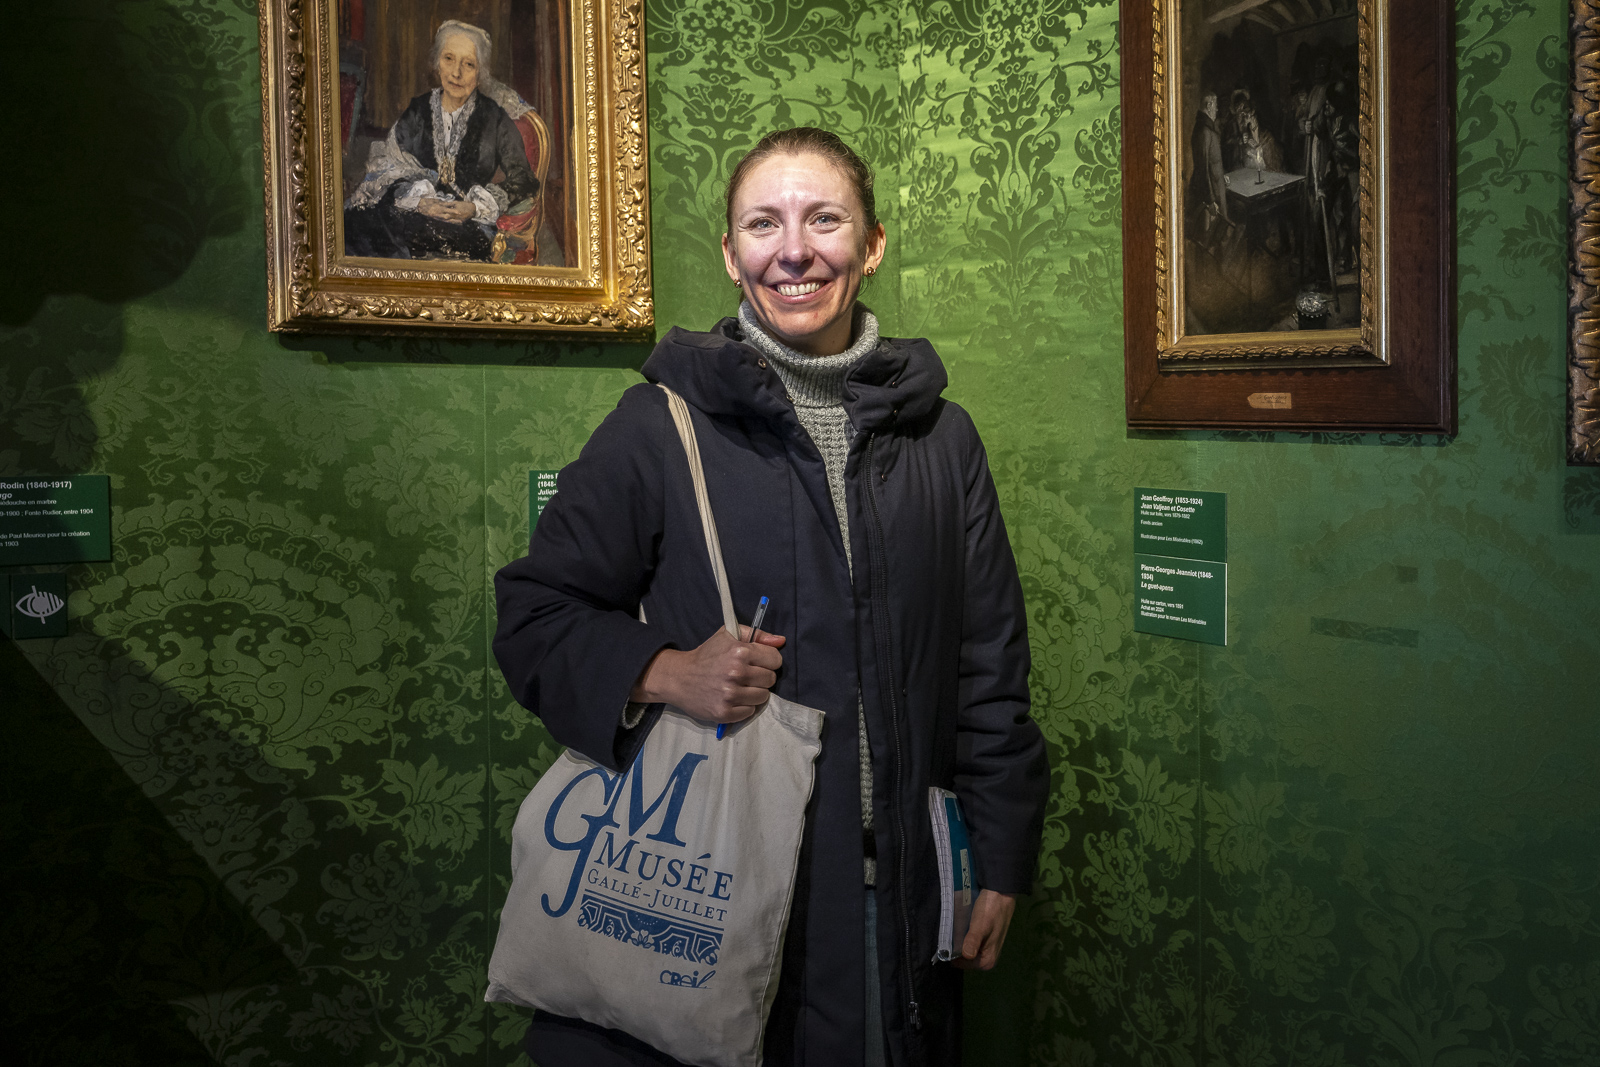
point(721, 375)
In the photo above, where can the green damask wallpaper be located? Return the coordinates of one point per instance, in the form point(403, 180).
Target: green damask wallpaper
point(255, 808)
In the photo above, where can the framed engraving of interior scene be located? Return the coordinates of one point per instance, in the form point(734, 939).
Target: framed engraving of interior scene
point(455, 164)
point(1288, 216)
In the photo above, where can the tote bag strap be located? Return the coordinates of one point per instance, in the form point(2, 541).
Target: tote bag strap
point(708, 523)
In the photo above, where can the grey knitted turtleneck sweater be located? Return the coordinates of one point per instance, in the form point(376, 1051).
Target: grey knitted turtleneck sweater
point(816, 387)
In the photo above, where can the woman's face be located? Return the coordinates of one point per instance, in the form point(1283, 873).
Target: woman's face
point(458, 68)
point(799, 247)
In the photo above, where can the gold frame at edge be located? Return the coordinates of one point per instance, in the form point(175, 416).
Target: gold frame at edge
point(309, 289)
point(1366, 346)
point(1583, 253)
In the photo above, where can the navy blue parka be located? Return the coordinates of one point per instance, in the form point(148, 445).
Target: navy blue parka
point(931, 633)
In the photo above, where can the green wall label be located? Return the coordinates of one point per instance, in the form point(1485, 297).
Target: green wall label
point(55, 520)
point(1180, 553)
point(1181, 522)
point(35, 605)
point(1181, 598)
point(541, 487)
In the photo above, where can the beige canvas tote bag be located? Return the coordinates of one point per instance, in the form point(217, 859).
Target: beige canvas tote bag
point(655, 901)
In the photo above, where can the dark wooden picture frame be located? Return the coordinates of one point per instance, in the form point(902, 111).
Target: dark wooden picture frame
point(1395, 369)
point(1583, 259)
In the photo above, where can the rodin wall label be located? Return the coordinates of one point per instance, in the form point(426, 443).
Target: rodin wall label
point(1180, 554)
point(55, 520)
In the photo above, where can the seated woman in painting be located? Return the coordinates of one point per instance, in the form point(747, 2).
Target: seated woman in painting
point(452, 164)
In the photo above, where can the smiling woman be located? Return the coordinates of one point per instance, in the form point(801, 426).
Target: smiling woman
point(802, 231)
point(858, 501)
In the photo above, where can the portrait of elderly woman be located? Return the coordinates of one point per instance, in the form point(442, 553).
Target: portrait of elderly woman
point(461, 173)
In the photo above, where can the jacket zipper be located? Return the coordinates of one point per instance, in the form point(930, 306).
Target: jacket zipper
point(880, 625)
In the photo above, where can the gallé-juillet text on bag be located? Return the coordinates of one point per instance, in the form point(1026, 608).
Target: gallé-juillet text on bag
point(654, 901)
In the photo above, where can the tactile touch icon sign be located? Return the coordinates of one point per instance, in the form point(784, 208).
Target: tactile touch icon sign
point(35, 605)
point(40, 606)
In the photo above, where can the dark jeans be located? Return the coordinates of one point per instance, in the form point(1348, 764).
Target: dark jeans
point(877, 1054)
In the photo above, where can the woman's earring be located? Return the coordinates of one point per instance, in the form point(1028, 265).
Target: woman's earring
point(871, 271)
point(737, 284)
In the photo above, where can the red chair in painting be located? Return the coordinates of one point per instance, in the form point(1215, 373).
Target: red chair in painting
point(517, 242)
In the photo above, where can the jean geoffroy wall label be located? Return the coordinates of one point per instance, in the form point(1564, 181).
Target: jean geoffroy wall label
point(1180, 539)
point(1181, 522)
point(55, 520)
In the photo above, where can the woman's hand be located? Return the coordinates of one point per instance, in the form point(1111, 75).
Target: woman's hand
point(721, 681)
point(447, 210)
point(991, 918)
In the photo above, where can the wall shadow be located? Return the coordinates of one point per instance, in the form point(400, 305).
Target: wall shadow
point(456, 350)
point(162, 874)
point(47, 365)
point(135, 163)
point(106, 913)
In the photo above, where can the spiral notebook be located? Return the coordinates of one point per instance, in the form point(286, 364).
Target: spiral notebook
point(956, 888)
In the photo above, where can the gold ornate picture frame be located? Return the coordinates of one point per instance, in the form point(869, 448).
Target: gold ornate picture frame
point(1583, 260)
point(538, 221)
point(1288, 214)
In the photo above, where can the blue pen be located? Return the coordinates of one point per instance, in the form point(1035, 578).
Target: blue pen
point(755, 628)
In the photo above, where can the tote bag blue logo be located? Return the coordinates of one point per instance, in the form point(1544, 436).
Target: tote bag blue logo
point(672, 795)
point(650, 892)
